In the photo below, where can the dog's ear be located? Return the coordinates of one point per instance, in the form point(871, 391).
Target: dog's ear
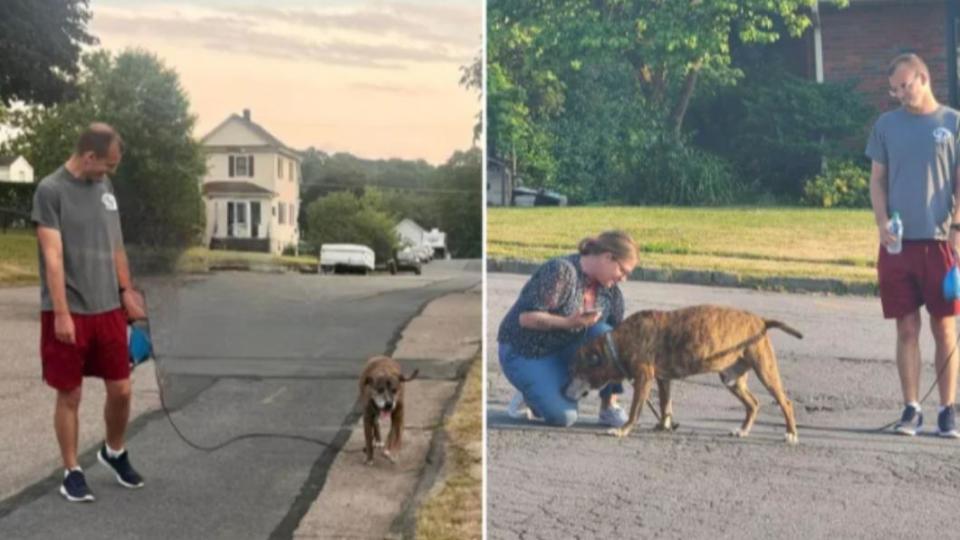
point(404, 378)
point(367, 380)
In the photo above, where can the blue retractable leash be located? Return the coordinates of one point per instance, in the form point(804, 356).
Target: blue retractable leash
point(141, 350)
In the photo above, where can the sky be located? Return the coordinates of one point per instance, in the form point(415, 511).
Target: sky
point(378, 79)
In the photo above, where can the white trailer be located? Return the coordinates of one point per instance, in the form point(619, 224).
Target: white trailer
point(350, 257)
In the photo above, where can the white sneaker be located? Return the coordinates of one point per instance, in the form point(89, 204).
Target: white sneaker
point(518, 408)
point(613, 416)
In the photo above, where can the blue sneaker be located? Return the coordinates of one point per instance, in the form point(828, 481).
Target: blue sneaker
point(947, 423)
point(910, 421)
point(613, 416)
point(120, 465)
point(74, 487)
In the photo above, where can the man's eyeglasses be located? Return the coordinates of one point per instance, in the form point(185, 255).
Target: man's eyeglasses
point(895, 92)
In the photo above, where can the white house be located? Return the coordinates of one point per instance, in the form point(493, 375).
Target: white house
point(15, 169)
point(410, 232)
point(252, 188)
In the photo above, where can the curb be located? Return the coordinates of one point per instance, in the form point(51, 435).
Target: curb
point(712, 278)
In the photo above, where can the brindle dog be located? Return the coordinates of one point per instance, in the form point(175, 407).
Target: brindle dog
point(666, 345)
point(381, 395)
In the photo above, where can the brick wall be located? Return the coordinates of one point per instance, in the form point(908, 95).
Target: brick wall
point(860, 41)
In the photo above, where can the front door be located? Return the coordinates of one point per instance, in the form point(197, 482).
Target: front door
point(255, 219)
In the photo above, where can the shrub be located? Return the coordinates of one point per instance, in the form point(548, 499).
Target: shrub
point(844, 184)
point(675, 172)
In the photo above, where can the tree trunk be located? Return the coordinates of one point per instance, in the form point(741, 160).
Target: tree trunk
point(680, 111)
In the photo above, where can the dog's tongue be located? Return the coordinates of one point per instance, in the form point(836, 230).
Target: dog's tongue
point(384, 414)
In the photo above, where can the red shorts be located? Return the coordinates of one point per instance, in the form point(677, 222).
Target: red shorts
point(914, 277)
point(100, 350)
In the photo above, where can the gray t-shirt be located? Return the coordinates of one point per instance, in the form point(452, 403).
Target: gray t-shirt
point(85, 213)
point(920, 153)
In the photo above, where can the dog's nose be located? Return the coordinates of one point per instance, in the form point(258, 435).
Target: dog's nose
point(388, 405)
point(583, 395)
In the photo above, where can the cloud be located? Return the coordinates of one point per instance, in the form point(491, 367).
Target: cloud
point(371, 36)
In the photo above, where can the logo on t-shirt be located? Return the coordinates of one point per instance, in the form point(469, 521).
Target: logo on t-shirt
point(942, 135)
point(109, 201)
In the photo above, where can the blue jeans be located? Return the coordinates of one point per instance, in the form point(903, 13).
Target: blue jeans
point(542, 379)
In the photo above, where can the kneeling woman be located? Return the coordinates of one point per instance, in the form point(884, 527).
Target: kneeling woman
point(568, 301)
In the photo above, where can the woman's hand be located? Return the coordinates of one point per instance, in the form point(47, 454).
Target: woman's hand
point(584, 320)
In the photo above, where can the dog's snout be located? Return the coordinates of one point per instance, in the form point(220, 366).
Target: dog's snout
point(584, 394)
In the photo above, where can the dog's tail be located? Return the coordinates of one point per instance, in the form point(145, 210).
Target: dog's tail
point(768, 324)
point(412, 376)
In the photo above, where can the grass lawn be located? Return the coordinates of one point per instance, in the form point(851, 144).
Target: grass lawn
point(453, 512)
point(18, 257)
point(19, 265)
point(751, 242)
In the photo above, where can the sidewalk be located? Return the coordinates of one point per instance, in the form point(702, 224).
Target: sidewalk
point(380, 500)
point(26, 402)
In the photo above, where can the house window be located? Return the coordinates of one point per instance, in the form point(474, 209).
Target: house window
point(279, 167)
point(293, 215)
point(290, 169)
point(283, 213)
point(240, 166)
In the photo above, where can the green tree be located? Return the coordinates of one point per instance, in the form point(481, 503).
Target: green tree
point(460, 204)
point(571, 80)
point(157, 183)
point(344, 217)
point(40, 42)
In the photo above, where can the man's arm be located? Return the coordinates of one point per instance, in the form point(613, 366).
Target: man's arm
point(878, 199)
point(130, 299)
point(51, 248)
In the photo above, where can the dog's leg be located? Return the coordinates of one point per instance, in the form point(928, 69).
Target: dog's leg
point(738, 387)
point(641, 393)
point(377, 438)
point(666, 405)
point(368, 423)
point(395, 438)
point(765, 364)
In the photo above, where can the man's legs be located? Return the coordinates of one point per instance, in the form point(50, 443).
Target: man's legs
point(945, 335)
point(66, 424)
point(116, 412)
point(908, 355)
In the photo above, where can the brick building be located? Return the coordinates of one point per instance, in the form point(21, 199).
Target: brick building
point(858, 42)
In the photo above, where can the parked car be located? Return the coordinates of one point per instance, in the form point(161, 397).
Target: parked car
point(346, 257)
point(424, 253)
point(406, 260)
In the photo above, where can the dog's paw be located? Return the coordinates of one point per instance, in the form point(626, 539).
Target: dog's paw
point(618, 432)
point(791, 438)
point(390, 457)
point(368, 461)
point(739, 433)
point(666, 424)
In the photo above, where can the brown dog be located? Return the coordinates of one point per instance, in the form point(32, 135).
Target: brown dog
point(381, 395)
point(666, 345)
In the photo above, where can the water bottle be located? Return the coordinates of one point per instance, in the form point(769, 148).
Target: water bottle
point(895, 226)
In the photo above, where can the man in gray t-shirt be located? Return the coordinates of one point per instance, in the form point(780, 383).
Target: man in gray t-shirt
point(914, 150)
point(86, 300)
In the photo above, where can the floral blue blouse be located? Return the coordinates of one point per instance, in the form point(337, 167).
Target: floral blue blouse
point(556, 287)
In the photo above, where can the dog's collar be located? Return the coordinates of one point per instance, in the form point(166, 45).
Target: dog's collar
point(610, 349)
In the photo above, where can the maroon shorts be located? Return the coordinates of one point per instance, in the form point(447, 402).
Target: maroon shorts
point(914, 278)
point(100, 350)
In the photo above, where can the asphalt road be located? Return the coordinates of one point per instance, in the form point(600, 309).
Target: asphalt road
point(844, 479)
point(241, 353)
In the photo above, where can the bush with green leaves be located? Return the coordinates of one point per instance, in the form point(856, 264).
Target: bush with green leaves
point(776, 128)
point(671, 171)
point(345, 218)
point(844, 184)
